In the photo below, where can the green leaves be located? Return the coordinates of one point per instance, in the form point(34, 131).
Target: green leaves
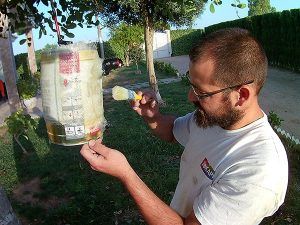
point(22, 41)
point(45, 2)
point(40, 33)
point(259, 7)
point(219, 2)
point(70, 35)
point(63, 19)
point(241, 6)
point(67, 33)
point(19, 123)
point(124, 37)
point(212, 8)
point(27, 87)
point(274, 119)
point(70, 26)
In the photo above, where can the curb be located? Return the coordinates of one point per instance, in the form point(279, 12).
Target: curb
point(287, 135)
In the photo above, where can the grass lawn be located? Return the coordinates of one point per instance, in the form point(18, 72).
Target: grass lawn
point(127, 75)
point(54, 185)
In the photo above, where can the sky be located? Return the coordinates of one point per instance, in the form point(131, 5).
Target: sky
point(223, 13)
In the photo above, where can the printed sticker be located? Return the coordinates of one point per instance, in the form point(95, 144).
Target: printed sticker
point(79, 130)
point(69, 63)
point(70, 131)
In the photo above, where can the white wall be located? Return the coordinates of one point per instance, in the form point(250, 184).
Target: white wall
point(162, 45)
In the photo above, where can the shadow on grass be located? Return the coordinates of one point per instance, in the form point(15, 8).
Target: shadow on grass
point(58, 187)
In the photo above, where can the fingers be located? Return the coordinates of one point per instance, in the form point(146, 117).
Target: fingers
point(93, 150)
point(95, 160)
point(97, 147)
point(88, 154)
point(148, 97)
point(153, 104)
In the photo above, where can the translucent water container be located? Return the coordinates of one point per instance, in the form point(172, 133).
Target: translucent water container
point(72, 95)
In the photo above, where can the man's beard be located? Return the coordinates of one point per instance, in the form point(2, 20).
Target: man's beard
point(225, 119)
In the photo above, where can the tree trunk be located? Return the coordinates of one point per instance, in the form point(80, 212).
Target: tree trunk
point(31, 51)
point(149, 33)
point(10, 73)
point(127, 58)
point(7, 215)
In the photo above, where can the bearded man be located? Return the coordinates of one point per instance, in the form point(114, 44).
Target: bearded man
point(234, 168)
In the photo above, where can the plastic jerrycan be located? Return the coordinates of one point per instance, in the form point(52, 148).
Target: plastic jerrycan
point(72, 95)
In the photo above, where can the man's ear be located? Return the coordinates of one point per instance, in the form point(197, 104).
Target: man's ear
point(244, 94)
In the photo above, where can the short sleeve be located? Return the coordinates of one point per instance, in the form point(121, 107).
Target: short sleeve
point(234, 203)
point(181, 129)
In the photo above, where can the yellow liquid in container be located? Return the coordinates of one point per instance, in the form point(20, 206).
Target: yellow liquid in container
point(72, 95)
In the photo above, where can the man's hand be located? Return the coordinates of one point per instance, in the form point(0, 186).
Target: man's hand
point(161, 125)
point(147, 107)
point(113, 162)
point(106, 160)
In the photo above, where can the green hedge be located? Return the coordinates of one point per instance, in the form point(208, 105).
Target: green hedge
point(22, 63)
point(183, 40)
point(109, 51)
point(278, 32)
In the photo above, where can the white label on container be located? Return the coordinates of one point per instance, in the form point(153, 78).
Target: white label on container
point(70, 131)
point(79, 130)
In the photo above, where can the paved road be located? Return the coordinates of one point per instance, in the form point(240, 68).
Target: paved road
point(280, 94)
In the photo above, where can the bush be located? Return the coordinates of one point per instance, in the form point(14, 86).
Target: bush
point(28, 87)
point(184, 79)
point(274, 119)
point(278, 33)
point(37, 78)
point(184, 40)
point(136, 54)
point(165, 68)
point(18, 124)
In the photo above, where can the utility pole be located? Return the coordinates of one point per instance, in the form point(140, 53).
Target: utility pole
point(100, 39)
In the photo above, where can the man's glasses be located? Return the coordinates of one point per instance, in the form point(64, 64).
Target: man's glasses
point(203, 95)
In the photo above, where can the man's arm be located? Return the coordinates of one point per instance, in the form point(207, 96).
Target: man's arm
point(114, 163)
point(162, 126)
point(153, 209)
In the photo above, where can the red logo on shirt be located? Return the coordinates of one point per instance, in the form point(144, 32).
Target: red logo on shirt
point(207, 169)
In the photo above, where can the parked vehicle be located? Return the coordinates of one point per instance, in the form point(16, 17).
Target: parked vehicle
point(3, 94)
point(110, 64)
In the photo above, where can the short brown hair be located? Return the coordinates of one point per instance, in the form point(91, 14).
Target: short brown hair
point(237, 56)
